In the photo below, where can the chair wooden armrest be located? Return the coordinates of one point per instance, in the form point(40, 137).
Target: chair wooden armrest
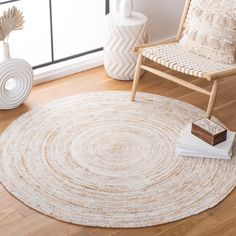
point(161, 42)
point(223, 74)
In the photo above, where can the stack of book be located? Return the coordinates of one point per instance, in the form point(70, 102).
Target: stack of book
point(192, 146)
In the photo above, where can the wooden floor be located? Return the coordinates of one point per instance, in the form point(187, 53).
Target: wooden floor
point(16, 219)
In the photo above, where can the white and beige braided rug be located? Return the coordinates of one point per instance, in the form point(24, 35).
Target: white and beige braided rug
point(98, 159)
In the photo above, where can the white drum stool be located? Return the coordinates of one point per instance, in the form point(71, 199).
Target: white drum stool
point(122, 34)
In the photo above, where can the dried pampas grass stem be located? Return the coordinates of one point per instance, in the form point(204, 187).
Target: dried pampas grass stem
point(11, 20)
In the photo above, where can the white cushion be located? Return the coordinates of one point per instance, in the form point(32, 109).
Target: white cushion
point(211, 30)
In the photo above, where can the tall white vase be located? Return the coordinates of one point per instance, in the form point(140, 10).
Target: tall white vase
point(6, 51)
point(16, 80)
point(126, 8)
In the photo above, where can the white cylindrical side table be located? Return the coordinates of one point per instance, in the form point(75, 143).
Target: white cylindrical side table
point(122, 34)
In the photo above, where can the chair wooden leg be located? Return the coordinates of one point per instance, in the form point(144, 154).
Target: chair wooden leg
point(212, 99)
point(136, 76)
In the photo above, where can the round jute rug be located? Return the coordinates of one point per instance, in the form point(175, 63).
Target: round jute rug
point(98, 159)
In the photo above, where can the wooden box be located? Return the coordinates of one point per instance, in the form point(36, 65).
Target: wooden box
point(209, 131)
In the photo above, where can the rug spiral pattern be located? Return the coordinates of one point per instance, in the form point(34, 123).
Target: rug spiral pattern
point(98, 159)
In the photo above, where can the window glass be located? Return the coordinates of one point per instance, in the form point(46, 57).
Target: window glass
point(33, 42)
point(77, 26)
point(74, 27)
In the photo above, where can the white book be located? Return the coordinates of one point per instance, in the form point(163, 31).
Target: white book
point(190, 145)
point(184, 152)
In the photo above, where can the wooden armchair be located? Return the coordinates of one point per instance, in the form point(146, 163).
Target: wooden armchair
point(173, 56)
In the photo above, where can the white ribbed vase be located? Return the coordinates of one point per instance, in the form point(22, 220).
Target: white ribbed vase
point(16, 80)
point(126, 8)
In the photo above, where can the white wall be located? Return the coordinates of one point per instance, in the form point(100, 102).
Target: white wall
point(164, 16)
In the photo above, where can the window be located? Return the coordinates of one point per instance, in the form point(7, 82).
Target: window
point(57, 30)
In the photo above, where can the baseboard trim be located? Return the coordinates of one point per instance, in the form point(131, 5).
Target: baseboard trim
point(63, 69)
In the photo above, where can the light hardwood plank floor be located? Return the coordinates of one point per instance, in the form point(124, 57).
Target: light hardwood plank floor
point(16, 219)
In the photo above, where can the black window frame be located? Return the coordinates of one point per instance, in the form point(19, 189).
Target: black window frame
point(53, 61)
